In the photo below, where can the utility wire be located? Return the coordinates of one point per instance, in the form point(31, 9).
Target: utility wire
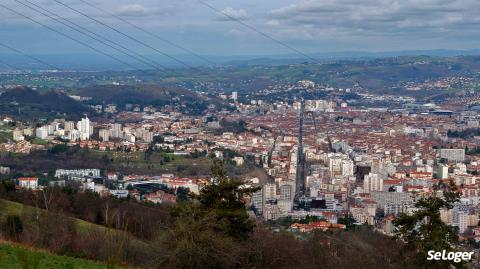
point(29, 56)
point(89, 34)
point(69, 37)
point(259, 32)
point(149, 32)
point(124, 34)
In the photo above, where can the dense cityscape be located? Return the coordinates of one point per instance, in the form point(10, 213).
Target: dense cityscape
point(239, 134)
point(353, 158)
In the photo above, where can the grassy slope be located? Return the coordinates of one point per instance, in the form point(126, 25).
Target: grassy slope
point(13, 256)
point(87, 228)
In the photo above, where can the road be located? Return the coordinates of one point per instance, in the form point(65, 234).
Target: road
point(300, 176)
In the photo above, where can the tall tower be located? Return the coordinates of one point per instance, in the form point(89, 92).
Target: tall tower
point(84, 128)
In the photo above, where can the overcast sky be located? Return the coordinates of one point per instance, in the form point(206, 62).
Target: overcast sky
point(307, 25)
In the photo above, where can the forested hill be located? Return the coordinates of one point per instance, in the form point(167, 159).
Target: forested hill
point(145, 95)
point(26, 103)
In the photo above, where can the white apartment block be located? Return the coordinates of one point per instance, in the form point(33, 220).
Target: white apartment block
point(372, 182)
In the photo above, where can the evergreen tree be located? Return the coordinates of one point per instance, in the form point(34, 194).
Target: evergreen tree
point(424, 230)
point(207, 231)
point(224, 199)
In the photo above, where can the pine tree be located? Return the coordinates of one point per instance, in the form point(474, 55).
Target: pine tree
point(224, 198)
point(424, 230)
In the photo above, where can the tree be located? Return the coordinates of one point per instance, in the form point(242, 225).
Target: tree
point(12, 227)
point(182, 194)
point(348, 220)
point(208, 231)
point(423, 230)
point(57, 149)
point(224, 199)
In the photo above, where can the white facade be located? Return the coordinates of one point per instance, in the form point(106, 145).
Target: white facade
point(77, 172)
point(372, 182)
point(104, 135)
point(85, 128)
point(41, 132)
point(30, 183)
point(454, 155)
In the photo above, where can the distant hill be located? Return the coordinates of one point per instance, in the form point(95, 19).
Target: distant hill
point(145, 95)
point(27, 103)
point(94, 62)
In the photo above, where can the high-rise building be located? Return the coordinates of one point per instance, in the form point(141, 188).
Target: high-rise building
point(269, 191)
point(73, 135)
point(84, 128)
point(453, 155)
point(69, 125)
point(257, 202)
point(372, 182)
point(442, 171)
point(287, 190)
point(104, 135)
point(116, 130)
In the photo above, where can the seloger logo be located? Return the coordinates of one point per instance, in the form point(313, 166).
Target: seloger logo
point(449, 256)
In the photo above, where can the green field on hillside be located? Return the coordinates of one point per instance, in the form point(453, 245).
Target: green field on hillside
point(17, 257)
point(84, 227)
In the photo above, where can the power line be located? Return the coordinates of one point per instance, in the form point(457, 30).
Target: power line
point(258, 31)
point(69, 37)
point(85, 31)
point(148, 32)
point(29, 56)
point(124, 34)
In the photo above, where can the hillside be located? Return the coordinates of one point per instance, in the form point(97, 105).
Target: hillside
point(14, 256)
point(145, 95)
point(85, 227)
point(26, 103)
point(187, 238)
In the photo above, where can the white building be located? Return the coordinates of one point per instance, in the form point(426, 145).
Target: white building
point(269, 191)
point(69, 125)
point(77, 173)
point(104, 135)
point(41, 132)
point(234, 96)
point(442, 171)
point(74, 135)
point(85, 128)
point(372, 182)
point(30, 183)
point(287, 190)
point(454, 155)
point(18, 135)
point(116, 130)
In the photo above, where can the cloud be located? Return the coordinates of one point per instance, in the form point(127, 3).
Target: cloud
point(237, 33)
point(138, 10)
point(379, 16)
point(230, 14)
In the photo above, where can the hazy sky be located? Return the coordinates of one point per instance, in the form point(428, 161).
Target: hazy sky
point(308, 25)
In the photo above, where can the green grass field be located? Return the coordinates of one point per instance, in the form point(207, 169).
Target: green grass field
point(38, 141)
point(13, 256)
point(84, 227)
point(13, 208)
point(5, 134)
